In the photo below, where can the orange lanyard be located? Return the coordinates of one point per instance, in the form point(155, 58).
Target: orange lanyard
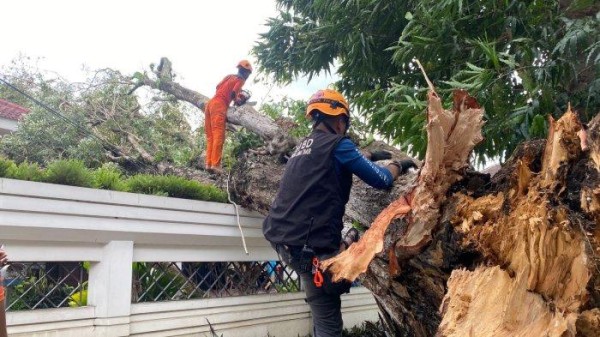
point(317, 275)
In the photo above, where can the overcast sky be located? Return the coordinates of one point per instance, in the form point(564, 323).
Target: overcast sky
point(203, 39)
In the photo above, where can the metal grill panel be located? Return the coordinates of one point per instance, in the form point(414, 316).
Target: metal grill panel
point(163, 281)
point(37, 285)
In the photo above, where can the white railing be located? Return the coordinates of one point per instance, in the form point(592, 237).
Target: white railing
point(45, 222)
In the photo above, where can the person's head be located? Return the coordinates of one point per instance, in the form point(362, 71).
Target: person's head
point(244, 69)
point(329, 110)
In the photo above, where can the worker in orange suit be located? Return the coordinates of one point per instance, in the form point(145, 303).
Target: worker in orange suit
point(3, 261)
point(215, 113)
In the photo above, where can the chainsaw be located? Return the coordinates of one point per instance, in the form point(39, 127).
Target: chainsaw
point(243, 98)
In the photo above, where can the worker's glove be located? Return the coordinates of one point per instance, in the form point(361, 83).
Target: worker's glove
point(380, 155)
point(404, 165)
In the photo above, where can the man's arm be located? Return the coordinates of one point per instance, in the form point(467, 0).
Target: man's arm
point(237, 88)
point(348, 156)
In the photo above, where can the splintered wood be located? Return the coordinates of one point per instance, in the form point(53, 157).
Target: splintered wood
point(541, 288)
point(523, 314)
point(451, 136)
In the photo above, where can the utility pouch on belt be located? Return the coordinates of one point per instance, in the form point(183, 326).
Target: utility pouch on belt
point(305, 259)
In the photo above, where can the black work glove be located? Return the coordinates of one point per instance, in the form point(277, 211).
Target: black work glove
point(404, 165)
point(380, 155)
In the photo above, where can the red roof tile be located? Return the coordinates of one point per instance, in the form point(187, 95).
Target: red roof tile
point(12, 111)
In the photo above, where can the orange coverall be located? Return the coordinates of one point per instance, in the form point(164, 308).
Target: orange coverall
point(215, 116)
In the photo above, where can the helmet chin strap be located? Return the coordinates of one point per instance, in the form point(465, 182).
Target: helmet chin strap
point(329, 127)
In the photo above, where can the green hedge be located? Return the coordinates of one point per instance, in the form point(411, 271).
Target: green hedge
point(109, 177)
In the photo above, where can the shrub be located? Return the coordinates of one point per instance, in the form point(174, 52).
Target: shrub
point(26, 171)
point(145, 184)
point(108, 177)
point(5, 167)
point(243, 141)
point(174, 186)
point(79, 298)
point(69, 172)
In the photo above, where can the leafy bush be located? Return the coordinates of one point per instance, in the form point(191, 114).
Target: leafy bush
point(174, 186)
point(108, 177)
point(158, 282)
point(244, 140)
point(5, 166)
point(69, 172)
point(23, 294)
point(79, 298)
point(26, 171)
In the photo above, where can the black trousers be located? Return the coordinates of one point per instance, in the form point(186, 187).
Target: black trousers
point(324, 302)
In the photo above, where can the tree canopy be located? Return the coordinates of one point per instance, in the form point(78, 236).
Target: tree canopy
point(523, 60)
point(96, 121)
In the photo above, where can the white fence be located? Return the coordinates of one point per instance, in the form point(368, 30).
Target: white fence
point(45, 222)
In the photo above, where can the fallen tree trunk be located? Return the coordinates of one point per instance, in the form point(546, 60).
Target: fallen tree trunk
point(540, 242)
point(514, 255)
point(517, 256)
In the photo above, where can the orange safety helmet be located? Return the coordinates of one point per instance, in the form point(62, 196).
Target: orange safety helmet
point(245, 64)
point(329, 102)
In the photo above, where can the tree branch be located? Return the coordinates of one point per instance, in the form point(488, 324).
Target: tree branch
point(245, 115)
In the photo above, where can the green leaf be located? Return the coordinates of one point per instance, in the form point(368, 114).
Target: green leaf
point(538, 127)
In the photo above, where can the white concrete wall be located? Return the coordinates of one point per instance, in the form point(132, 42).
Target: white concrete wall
point(45, 222)
point(279, 315)
point(7, 126)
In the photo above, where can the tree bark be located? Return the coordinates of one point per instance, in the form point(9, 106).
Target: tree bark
point(514, 255)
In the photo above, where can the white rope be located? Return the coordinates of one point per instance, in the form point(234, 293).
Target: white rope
point(237, 213)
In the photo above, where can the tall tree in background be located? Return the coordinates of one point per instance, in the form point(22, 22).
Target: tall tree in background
point(524, 60)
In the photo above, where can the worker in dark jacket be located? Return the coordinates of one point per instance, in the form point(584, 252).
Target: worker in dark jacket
point(305, 219)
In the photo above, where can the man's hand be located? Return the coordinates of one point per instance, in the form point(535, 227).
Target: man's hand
point(379, 155)
point(3, 257)
point(404, 165)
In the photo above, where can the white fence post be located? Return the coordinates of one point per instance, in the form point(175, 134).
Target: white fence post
point(110, 289)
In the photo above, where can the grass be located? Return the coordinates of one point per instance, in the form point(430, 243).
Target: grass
point(109, 176)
